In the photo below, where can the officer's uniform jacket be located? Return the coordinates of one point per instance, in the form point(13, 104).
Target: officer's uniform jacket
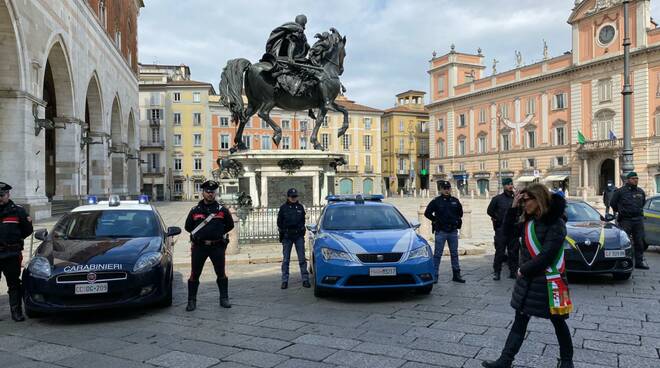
point(445, 212)
point(215, 230)
point(498, 207)
point(15, 225)
point(291, 220)
point(628, 202)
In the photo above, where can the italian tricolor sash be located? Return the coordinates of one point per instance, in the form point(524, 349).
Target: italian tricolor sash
point(558, 296)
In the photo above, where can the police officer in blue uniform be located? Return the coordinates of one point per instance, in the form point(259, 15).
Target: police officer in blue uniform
point(15, 225)
point(208, 224)
point(628, 203)
point(446, 215)
point(291, 226)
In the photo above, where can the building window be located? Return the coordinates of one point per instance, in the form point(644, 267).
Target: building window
point(224, 141)
point(461, 146)
point(303, 125)
point(504, 164)
point(604, 123)
point(197, 163)
point(154, 98)
point(103, 18)
point(531, 105)
point(346, 142)
point(367, 123)
point(530, 163)
point(402, 165)
point(440, 169)
point(482, 166)
point(286, 124)
point(196, 97)
point(303, 142)
point(401, 126)
point(560, 161)
point(177, 139)
point(560, 136)
point(248, 124)
point(657, 124)
point(177, 96)
point(177, 118)
point(423, 147)
point(367, 162)
point(482, 116)
point(197, 139)
point(247, 140)
point(155, 135)
point(178, 187)
point(604, 90)
point(224, 121)
point(482, 145)
point(286, 143)
point(198, 186)
point(367, 142)
point(461, 167)
point(325, 140)
point(177, 164)
point(531, 138)
point(118, 39)
point(461, 120)
point(386, 126)
point(441, 84)
point(506, 142)
point(559, 101)
point(155, 114)
point(401, 145)
point(423, 126)
point(264, 124)
point(504, 110)
point(441, 148)
point(265, 142)
point(197, 118)
point(441, 125)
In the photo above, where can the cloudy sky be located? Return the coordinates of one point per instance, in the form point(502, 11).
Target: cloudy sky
point(389, 41)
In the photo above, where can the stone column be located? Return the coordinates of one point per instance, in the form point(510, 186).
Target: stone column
point(315, 189)
point(585, 180)
point(254, 194)
point(324, 188)
point(466, 229)
point(264, 190)
point(234, 247)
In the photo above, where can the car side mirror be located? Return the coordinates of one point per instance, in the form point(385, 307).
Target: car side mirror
point(173, 230)
point(608, 217)
point(41, 234)
point(415, 224)
point(312, 228)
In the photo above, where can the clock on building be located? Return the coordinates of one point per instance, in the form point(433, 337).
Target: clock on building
point(606, 34)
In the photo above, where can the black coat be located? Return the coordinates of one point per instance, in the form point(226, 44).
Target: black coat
point(530, 293)
point(498, 207)
point(628, 202)
point(291, 220)
point(220, 225)
point(445, 213)
point(15, 225)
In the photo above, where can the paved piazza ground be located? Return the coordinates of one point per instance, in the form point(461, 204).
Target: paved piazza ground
point(615, 324)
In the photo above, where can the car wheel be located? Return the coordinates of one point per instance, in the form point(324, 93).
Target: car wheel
point(425, 290)
point(31, 313)
point(319, 291)
point(622, 276)
point(167, 300)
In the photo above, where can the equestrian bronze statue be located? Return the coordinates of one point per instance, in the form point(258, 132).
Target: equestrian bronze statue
point(291, 75)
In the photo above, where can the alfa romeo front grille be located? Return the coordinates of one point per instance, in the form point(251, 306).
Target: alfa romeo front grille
point(76, 278)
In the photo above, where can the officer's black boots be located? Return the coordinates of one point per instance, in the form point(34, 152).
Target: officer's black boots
point(284, 285)
point(192, 295)
point(16, 306)
point(512, 274)
point(641, 265)
point(496, 275)
point(513, 343)
point(223, 285)
point(306, 284)
point(565, 363)
point(457, 277)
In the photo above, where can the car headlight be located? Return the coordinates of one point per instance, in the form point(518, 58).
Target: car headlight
point(147, 261)
point(329, 254)
point(40, 267)
point(421, 252)
point(624, 240)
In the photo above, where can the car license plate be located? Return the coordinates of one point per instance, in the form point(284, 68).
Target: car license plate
point(91, 288)
point(382, 271)
point(614, 253)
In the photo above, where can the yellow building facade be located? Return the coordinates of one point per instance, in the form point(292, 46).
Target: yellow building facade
point(405, 144)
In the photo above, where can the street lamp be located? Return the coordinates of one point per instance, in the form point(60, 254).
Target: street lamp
point(626, 92)
point(499, 152)
point(411, 142)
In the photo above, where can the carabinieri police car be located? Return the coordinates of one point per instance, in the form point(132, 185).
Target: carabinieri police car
point(362, 243)
point(101, 255)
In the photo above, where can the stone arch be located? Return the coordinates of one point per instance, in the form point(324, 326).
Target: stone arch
point(134, 156)
point(62, 179)
point(346, 186)
point(368, 186)
point(10, 50)
point(118, 166)
point(94, 152)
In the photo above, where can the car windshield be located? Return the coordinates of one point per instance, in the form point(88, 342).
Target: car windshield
point(106, 224)
point(581, 212)
point(363, 217)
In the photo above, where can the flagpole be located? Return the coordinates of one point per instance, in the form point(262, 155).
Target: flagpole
point(627, 91)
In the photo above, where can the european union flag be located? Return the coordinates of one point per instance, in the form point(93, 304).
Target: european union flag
point(612, 136)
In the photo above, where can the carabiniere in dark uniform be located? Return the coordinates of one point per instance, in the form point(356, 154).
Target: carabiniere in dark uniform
point(15, 225)
point(208, 223)
point(628, 203)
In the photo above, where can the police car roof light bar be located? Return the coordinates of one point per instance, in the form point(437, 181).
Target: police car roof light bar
point(143, 199)
point(92, 200)
point(113, 201)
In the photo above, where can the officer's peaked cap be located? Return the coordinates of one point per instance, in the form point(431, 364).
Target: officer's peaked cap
point(4, 187)
point(210, 185)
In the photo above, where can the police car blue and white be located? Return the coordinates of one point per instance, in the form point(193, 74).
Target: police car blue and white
point(104, 254)
point(361, 243)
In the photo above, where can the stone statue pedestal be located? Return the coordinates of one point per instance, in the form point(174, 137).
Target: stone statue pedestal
point(268, 174)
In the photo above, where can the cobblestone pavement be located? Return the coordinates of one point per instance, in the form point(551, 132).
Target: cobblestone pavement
point(616, 324)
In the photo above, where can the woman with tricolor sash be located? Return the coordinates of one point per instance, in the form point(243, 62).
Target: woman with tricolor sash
point(541, 289)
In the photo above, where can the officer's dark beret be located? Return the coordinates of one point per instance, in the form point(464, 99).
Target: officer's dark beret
point(445, 184)
point(210, 185)
point(507, 181)
point(4, 187)
point(292, 192)
point(631, 174)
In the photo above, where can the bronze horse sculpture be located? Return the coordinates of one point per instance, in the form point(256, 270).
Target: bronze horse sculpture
point(263, 95)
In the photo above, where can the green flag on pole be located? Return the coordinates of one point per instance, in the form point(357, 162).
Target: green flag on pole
point(580, 137)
